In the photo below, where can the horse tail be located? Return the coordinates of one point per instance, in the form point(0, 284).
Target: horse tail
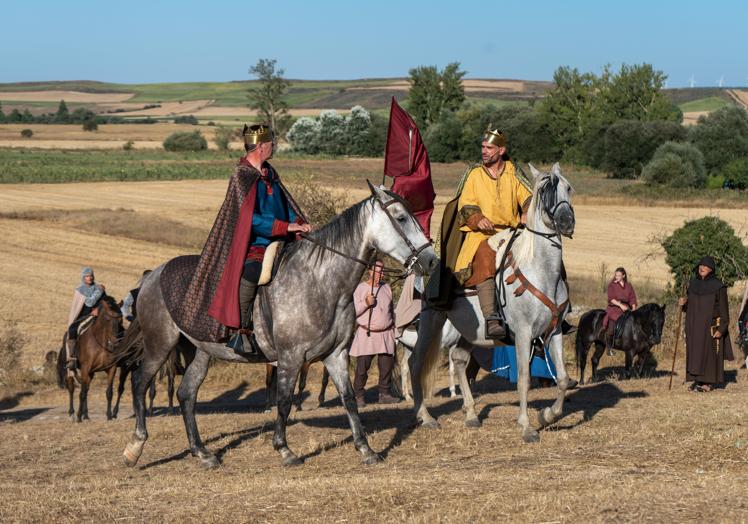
point(129, 350)
point(428, 371)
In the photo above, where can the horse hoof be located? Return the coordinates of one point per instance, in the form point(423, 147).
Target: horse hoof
point(132, 453)
point(210, 462)
point(372, 459)
point(431, 424)
point(531, 436)
point(473, 423)
point(572, 384)
point(267, 410)
point(292, 460)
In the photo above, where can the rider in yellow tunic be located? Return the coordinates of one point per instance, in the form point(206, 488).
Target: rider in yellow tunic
point(493, 197)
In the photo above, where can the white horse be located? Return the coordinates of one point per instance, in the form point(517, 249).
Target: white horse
point(536, 301)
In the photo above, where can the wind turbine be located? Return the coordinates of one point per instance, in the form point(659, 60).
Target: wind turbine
point(721, 81)
point(692, 82)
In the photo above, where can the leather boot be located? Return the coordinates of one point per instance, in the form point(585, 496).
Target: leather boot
point(72, 360)
point(240, 341)
point(487, 297)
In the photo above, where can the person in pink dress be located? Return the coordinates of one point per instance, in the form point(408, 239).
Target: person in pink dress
point(375, 335)
point(621, 298)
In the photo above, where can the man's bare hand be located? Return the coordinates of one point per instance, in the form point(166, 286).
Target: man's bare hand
point(95, 313)
point(299, 228)
point(717, 334)
point(682, 301)
point(485, 225)
point(371, 300)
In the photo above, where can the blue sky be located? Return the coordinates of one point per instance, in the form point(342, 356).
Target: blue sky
point(174, 41)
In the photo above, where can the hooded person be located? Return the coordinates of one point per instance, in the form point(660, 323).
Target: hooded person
point(707, 323)
point(257, 211)
point(85, 300)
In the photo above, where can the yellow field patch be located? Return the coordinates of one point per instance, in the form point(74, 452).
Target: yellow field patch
point(68, 96)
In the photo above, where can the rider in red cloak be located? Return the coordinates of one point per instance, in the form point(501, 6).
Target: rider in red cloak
point(256, 211)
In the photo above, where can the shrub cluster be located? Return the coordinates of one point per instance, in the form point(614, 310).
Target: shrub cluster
point(185, 141)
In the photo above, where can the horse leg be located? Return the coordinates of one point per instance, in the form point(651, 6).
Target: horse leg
point(123, 372)
point(524, 350)
point(451, 373)
point(151, 396)
point(83, 396)
point(552, 414)
point(111, 372)
point(323, 386)
point(337, 364)
point(187, 396)
point(582, 348)
point(302, 384)
point(596, 356)
point(460, 356)
point(287, 373)
point(629, 360)
point(170, 372)
point(407, 389)
point(142, 377)
point(427, 347)
point(270, 387)
point(70, 383)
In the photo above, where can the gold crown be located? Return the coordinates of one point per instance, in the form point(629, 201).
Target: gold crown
point(494, 136)
point(257, 133)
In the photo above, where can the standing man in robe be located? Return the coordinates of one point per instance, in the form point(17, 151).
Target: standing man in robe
point(707, 324)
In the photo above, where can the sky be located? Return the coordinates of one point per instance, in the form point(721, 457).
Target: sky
point(187, 40)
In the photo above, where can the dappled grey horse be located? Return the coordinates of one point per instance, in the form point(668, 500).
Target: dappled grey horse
point(306, 313)
point(536, 300)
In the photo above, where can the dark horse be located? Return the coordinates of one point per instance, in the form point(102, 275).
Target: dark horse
point(305, 314)
point(95, 353)
point(638, 332)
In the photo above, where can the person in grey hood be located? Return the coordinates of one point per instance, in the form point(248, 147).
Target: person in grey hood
point(85, 301)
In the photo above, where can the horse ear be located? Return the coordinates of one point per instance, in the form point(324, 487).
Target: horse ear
point(662, 307)
point(371, 187)
point(535, 172)
point(556, 169)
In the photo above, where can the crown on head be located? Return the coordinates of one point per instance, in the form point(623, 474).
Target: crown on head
point(257, 133)
point(494, 136)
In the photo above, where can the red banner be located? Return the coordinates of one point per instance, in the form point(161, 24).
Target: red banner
point(407, 162)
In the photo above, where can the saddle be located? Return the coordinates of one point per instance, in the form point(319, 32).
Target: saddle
point(617, 343)
point(85, 324)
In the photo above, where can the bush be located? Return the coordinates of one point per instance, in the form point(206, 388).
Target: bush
point(715, 182)
point(186, 119)
point(304, 135)
point(128, 146)
point(443, 139)
point(317, 203)
point(676, 165)
point(722, 136)
point(185, 141)
point(27, 133)
point(630, 144)
point(706, 236)
point(357, 127)
point(332, 132)
point(90, 125)
point(736, 173)
point(223, 137)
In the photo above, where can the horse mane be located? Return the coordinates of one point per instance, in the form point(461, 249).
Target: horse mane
point(342, 233)
point(111, 302)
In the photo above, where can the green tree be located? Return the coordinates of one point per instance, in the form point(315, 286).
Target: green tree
point(736, 173)
point(635, 93)
point(63, 115)
point(2, 115)
point(676, 165)
point(722, 136)
point(90, 125)
point(223, 137)
point(628, 145)
point(706, 236)
point(432, 92)
point(185, 141)
point(268, 97)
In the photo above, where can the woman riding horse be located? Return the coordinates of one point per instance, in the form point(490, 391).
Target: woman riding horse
point(621, 298)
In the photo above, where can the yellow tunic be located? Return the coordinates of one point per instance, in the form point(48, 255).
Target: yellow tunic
point(499, 201)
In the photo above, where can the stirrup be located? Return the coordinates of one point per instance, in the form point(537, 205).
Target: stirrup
point(241, 343)
point(495, 318)
point(71, 363)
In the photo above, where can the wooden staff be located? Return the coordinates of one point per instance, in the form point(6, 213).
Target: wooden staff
point(677, 331)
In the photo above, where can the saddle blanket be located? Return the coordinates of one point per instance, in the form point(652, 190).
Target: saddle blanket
point(502, 362)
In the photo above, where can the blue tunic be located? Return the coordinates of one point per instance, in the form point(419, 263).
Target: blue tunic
point(270, 205)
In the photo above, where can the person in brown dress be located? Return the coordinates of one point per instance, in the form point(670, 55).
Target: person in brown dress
point(621, 298)
point(707, 322)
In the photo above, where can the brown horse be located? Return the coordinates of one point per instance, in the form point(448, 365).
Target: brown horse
point(95, 354)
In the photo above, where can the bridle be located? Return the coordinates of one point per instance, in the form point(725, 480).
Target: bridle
point(551, 208)
point(110, 340)
point(410, 261)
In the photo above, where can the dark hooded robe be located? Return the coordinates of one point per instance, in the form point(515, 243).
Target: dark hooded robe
point(210, 305)
point(707, 304)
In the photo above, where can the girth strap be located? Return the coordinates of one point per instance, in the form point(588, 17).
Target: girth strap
point(526, 285)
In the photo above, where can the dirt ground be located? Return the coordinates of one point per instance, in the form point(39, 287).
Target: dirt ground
point(623, 451)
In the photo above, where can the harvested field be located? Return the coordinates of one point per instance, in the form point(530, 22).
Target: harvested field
point(740, 96)
point(468, 84)
point(68, 96)
point(624, 451)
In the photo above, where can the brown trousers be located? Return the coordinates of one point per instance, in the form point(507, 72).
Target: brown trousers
point(385, 363)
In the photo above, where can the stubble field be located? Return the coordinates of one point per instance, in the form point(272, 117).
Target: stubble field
point(624, 450)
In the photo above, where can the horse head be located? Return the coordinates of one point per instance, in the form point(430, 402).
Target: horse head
point(394, 230)
point(552, 200)
point(652, 322)
point(111, 314)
